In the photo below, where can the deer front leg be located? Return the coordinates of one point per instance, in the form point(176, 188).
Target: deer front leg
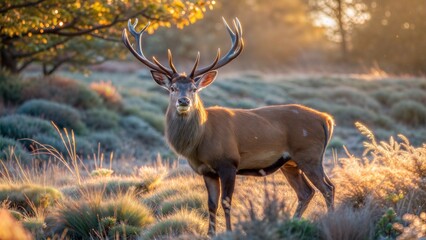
point(227, 176)
point(213, 189)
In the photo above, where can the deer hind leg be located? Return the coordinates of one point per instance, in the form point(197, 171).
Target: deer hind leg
point(227, 175)
point(301, 186)
point(315, 173)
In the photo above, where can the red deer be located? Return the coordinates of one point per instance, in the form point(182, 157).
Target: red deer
point(220, 143)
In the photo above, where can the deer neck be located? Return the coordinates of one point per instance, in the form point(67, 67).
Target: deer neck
point(184, 132)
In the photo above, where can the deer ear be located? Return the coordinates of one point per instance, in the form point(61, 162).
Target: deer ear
point(161, 79)
point(205, 80)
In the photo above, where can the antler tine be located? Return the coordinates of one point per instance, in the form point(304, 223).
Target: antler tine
point(209, 67)
point(237, 45)
point(197, 60)
point(139, 52)
point(172, 66)
point(137, 35)
point(234, 36)
point(240, 29)
point(162, 66)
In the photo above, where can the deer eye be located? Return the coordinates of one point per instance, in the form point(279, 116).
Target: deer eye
point(173, 89)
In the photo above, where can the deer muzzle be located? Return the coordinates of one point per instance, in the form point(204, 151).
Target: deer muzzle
point(183, 105)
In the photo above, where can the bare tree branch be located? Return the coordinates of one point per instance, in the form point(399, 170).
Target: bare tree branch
point(26, 63)
point(58, 63)
point(29, 54)
point(22, 5)
point(106, 38)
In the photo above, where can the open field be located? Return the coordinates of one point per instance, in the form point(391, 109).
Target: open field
point(143, 192)
point(106, 108)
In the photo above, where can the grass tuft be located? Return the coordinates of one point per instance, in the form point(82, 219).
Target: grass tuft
point(182, 222)
point(96, 217)
point(190, 201)
point(28, 196)
point(35, 226)
point(347, 223)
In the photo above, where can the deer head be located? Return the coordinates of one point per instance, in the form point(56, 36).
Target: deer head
point(183, 89)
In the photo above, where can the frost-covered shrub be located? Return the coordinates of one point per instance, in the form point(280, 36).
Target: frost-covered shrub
point(64, 116)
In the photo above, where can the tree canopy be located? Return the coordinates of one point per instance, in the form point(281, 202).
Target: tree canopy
point(81, 32)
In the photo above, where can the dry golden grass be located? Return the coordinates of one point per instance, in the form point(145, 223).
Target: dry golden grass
point(10, 228)
point(172, 199)
point(391, 173)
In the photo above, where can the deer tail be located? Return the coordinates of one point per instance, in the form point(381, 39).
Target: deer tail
point(328, 126)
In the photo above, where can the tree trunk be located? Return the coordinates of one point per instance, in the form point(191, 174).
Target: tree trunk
point(342, 30)
point(8, 62)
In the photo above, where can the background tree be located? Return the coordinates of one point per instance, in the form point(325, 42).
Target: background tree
point(340, 17)
point(395, 36)
point(80, 32)
point(278, 35)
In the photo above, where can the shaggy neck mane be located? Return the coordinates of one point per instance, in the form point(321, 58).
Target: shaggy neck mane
point(184, 132)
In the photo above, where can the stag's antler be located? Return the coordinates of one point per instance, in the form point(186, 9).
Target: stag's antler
point(138, 53)
point(236, 48)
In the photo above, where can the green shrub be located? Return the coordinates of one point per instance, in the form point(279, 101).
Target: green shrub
point(96, 218)
point(160, 100)
point(21, 126)
point(62, 115)
point(297, 229)
point(9, 147)
point(417, 95)
point(410, 113)
point(101, 119)
point(139, 129)
point(108, 141)
point(83, 146)
point(22, 196)
point(52, 140)
point(182, 222)
point(384, 227)
point(351, 96)
point(156, 120)
point(347, 115)
point(62, 90)
point(142, 104)
point(384, 122)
